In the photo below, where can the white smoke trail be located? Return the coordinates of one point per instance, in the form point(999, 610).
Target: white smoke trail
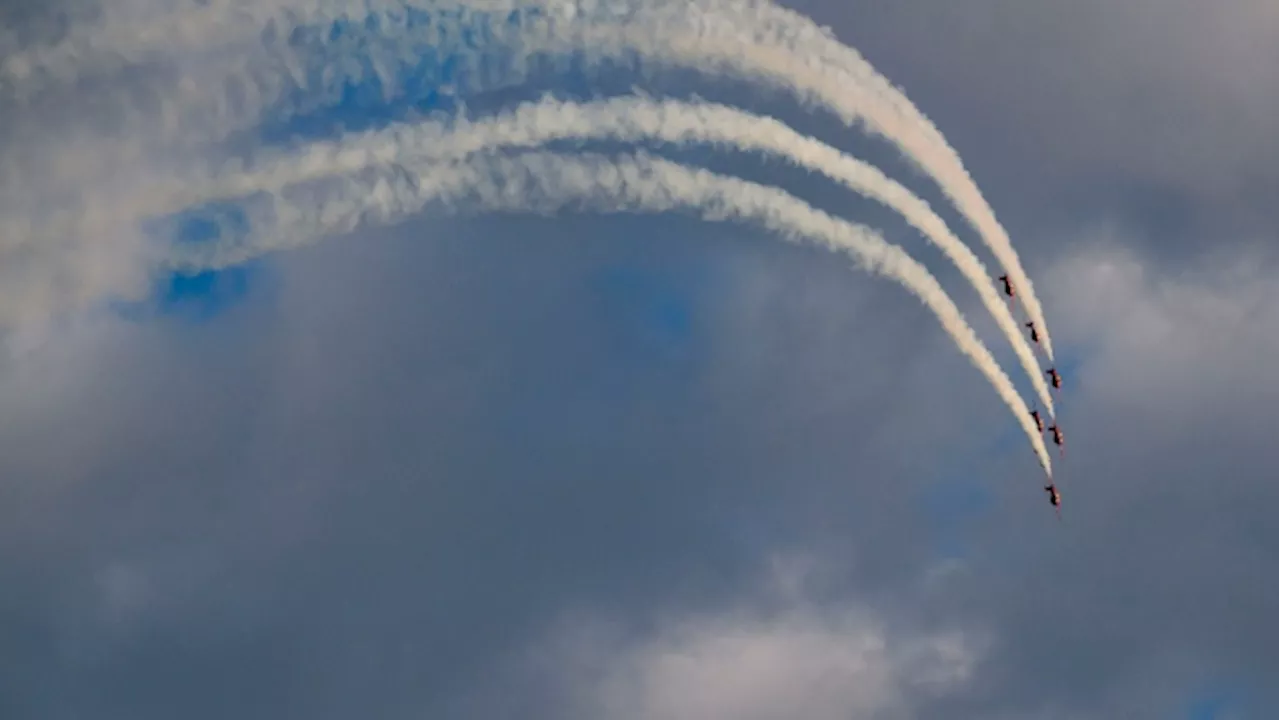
point(753, 38)
point(546, 183)
point(835, 76)
point(680, 123)
point(919, 137)
point(813, 65)
point(634, 120)
point(126, 32)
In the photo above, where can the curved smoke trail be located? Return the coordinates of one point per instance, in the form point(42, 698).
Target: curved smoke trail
point(907, 126)
point(633, 120)
point(722, 43)
point(817, 68)
point(752, 38)
point(828, 72)
point(547, 183)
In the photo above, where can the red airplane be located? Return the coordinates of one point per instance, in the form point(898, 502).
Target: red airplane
point(1035, 415)
point(1055, 378)
point(1058, 439)
point(1035, 334)
point(1008, 285)
point(1054, 498)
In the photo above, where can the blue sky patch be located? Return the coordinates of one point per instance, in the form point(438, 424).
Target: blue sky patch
point(653, 311)
point(196, 297)
point(1220, 701)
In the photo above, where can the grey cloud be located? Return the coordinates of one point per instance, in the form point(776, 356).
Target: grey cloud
point(403, 468)
point(416, 452)
point(1148, 593)
point(773, 653)
point(261, 451)
point(1159, 113)
point(1151, 591)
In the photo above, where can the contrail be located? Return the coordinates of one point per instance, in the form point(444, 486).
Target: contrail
point(752, 38)
point(904, 124)
point(814, 66)
point(756, 40)
point(299, 212)
point(634, 120)
point(629, 40)
point(818, 68)
point(674, 122)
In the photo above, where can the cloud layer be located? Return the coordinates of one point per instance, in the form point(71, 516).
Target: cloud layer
point(510, 466)
point(775, 653)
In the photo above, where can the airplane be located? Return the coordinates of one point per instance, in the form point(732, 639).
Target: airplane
point(1058, 439)
point(1055, 499)
point(1008, 285)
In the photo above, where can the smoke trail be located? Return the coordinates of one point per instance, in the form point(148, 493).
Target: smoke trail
point(820, 70)
point(668, 123)
point(611, 40)
point(634, 120)
point(306, 209)
point(883, 108)
point(835, 76)
point(910, 128)
point(753, 38)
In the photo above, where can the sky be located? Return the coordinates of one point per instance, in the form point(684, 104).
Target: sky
point(645, 466)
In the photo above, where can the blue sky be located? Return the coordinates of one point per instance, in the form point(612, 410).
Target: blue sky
point(634, 467)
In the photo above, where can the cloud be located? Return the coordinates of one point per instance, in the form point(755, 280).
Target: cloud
point(448, 471)
point(1161, 114)
point(1151, 583)
point(369, 500)
point(771, 653)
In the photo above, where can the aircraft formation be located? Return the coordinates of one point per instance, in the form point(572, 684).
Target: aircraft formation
point(1055, 379)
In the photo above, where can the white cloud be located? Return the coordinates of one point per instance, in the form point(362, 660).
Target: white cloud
point(776, 654)
point(1196, 339)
